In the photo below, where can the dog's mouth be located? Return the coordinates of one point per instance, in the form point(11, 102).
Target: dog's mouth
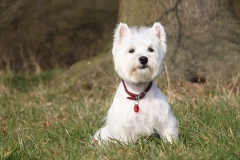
point(143, 66)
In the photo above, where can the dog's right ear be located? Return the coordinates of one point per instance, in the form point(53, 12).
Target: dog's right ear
point(159, 31)
point(121, 31)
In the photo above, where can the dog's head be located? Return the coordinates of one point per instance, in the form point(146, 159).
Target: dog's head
point(138, 52)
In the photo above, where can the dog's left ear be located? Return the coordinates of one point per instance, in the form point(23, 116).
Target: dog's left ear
point(159, 30)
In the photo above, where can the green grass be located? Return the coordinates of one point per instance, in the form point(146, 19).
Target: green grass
point(39, 122)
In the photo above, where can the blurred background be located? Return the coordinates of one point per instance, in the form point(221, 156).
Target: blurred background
point(48, 34)
point(203, 37)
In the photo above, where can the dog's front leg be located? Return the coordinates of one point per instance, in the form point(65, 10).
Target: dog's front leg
point(102, 135)
point(168, 128)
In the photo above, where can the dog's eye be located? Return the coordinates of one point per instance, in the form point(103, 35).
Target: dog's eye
point(131, 51)
point(150, 49)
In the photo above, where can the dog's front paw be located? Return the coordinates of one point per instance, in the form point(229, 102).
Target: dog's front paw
point(169, 138)
point(94, 141)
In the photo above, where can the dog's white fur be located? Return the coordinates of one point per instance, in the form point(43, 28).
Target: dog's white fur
point(154, 115)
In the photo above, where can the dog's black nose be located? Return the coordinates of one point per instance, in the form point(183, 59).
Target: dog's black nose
point(143, 60)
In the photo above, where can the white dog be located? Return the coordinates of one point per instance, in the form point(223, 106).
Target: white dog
point(139, 108)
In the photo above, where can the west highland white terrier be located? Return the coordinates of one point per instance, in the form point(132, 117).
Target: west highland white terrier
point(139, 108)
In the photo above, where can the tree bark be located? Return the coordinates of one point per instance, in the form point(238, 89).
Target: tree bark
point(203, 36)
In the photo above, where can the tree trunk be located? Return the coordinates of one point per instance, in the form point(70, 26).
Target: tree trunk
point(203, 36)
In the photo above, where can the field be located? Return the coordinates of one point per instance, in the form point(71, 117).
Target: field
point(42, 122)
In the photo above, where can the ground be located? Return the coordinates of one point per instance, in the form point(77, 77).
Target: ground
point(39, 121)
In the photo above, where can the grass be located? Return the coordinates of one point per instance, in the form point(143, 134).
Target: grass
point(39, 122)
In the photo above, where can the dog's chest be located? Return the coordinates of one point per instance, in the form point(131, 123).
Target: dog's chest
point(150, 108)
point(142, 111)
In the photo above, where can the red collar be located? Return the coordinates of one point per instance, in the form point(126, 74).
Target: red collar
point(139, 96)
